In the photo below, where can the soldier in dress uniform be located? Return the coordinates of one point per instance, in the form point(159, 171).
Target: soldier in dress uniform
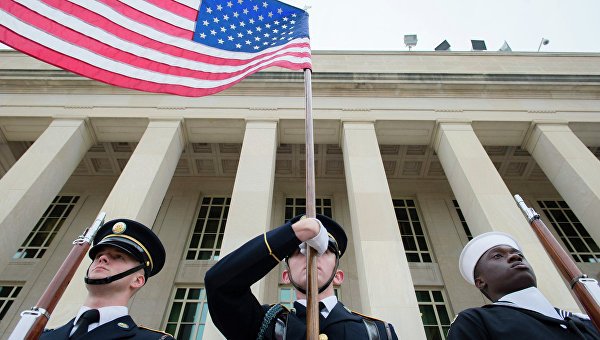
point(494, 263)
point(238, 314)
point(125, 254)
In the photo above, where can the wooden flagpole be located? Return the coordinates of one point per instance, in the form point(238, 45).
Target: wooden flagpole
point(312, 300)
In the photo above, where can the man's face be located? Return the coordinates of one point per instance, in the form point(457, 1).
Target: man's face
point(502, 270)
point(111, 261)
point(325, 266)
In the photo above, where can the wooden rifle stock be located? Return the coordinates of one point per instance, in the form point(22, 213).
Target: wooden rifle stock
point(312, 294)
point(33, 321)
point(586, 290)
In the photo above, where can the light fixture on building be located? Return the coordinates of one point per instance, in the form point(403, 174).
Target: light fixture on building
point(505, 47)
point(478, 45)
point(543, 42)
point(410, 40)
point(443, 46)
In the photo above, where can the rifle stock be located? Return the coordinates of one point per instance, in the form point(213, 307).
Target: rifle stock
point(33, 321)
point(586, 290)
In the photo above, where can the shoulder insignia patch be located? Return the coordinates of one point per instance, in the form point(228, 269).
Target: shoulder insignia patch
point(284, 307)
point(364, 316)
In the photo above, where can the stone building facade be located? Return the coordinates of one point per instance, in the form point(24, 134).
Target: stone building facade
point(415, 153)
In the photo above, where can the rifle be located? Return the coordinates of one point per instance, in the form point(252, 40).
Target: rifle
point(586, 289)
point(31, 325)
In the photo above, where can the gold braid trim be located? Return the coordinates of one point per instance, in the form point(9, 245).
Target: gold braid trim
point(269, 247)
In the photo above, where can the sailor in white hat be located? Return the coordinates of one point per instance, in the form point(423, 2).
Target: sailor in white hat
point(495, 264)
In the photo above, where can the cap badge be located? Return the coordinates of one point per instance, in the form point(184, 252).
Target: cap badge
point(323, 336)
point(119, 228)
point(123, 325)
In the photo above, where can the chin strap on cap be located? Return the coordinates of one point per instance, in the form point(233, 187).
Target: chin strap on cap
point(321, 289)
point(110, 279)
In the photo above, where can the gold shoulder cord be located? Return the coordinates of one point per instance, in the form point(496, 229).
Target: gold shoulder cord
point(269, 247)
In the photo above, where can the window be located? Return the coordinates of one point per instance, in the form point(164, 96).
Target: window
point(8, 294)
point(297, 206)
point(206, 239)
point(413, 236)
point(188, 313)
point(287, 295)
point(577, 240)
point(434, 313)
point(39, 239)
point(462, 220)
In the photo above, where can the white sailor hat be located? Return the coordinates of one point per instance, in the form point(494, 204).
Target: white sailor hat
point(473, 251)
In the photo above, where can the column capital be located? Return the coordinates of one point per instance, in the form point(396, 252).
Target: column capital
point(183, 139)
point(436, 135)
point(533, 135)
point(91, 133)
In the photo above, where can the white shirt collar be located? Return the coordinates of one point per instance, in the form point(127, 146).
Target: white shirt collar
point(107, 314)
point(532, 299)
point(329, 303)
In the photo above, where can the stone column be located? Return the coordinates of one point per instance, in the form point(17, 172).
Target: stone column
point(252, 198)
point(571, 167)
point(137, 195)
point(488, 205)
point(6, 157)
point(386, 287)
point(30, 185)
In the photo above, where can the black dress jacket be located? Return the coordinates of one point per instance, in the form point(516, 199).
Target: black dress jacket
point(120, 328)
point(492, 322)
point(237, 313)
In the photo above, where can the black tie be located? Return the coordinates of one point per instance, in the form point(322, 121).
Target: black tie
point(321, 306)
point(87, 318)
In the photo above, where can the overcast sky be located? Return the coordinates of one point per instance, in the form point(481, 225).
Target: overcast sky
point(571, 26)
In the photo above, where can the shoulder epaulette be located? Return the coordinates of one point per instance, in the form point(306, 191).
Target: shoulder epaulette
point(364, 316)
point(284, 307)
point(155, 330)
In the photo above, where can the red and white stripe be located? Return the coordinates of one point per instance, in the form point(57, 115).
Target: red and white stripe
point(138, 44)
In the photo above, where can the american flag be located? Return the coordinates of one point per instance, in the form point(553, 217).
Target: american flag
point(184, 47)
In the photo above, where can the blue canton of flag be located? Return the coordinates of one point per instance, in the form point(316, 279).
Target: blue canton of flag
point(249, 25)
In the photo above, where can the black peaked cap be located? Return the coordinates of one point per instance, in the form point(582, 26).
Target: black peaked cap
point(134, 238)
point(333, 228)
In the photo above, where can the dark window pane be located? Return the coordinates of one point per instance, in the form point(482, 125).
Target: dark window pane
point(195, 241)
point(203, 211)
point(58, 210)
point(190, 312)
point(327, 212)
point(426, 257)
point(568, 229)
point(5, 291)
point(422, 243)
point(218, 200)
point(186, 332)
point(427, 315)
point(558, 216)
point(405, 228)
point(208, 241)
point(289, 201)
point(194, 294)
point(5, 308)
point(550, 204)
point(204, 255)
point(401, 214)
point(409, 243)
point(65, 199)
point(211, 226)
point(578, 244)
point(563, 204)
point(412, 257)
point(215, 212)
point(423, 296)
point(171, 328)
point(413, 215)
point(432, 333)
point(587, 258)
point(191, 255)
point(443, 314)
point(581, 229)
point(206, 200)
point(327, 202)
point(180, 293)
point(175, 310)
point(417, 227)
point(437, 296)
point(301, 201)
point(289, 213)
point(410, 203)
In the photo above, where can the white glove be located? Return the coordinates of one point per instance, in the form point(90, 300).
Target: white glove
point(319, 242)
